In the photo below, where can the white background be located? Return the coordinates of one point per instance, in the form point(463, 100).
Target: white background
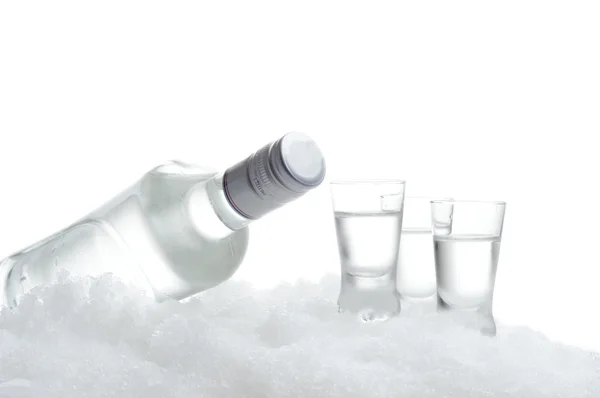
point(468, 99)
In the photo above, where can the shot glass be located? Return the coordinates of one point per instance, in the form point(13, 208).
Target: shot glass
point(368, 223)
point(467, 237)
point(415, 274)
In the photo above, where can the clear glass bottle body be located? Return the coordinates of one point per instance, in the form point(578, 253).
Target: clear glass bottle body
point(172, 233)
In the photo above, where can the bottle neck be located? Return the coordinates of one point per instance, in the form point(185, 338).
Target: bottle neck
point(215, 189)
point(210, 212)
point(276, 174)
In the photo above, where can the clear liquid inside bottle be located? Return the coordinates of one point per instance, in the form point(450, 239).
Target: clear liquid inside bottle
point(164, 234)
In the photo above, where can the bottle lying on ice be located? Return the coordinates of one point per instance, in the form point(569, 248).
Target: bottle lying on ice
point(177, 231)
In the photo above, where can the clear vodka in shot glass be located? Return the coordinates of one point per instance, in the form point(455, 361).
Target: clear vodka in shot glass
point(368, 222)
point(467, 236)
point(415, 274)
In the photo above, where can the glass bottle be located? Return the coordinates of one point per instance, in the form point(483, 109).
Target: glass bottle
point(178, 230)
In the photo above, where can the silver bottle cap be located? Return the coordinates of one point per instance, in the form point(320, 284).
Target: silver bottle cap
point(276, 174)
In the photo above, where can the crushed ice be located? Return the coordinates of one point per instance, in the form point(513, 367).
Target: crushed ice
point(100, 338)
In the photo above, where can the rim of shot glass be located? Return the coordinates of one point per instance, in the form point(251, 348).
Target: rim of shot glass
point(467, 201)
point(430, 198)
point(367, 195)
point(418, 216)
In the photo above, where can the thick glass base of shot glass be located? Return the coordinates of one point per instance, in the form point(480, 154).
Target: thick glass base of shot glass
point(419, 304)
point(371, 298)
point(479, 318)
